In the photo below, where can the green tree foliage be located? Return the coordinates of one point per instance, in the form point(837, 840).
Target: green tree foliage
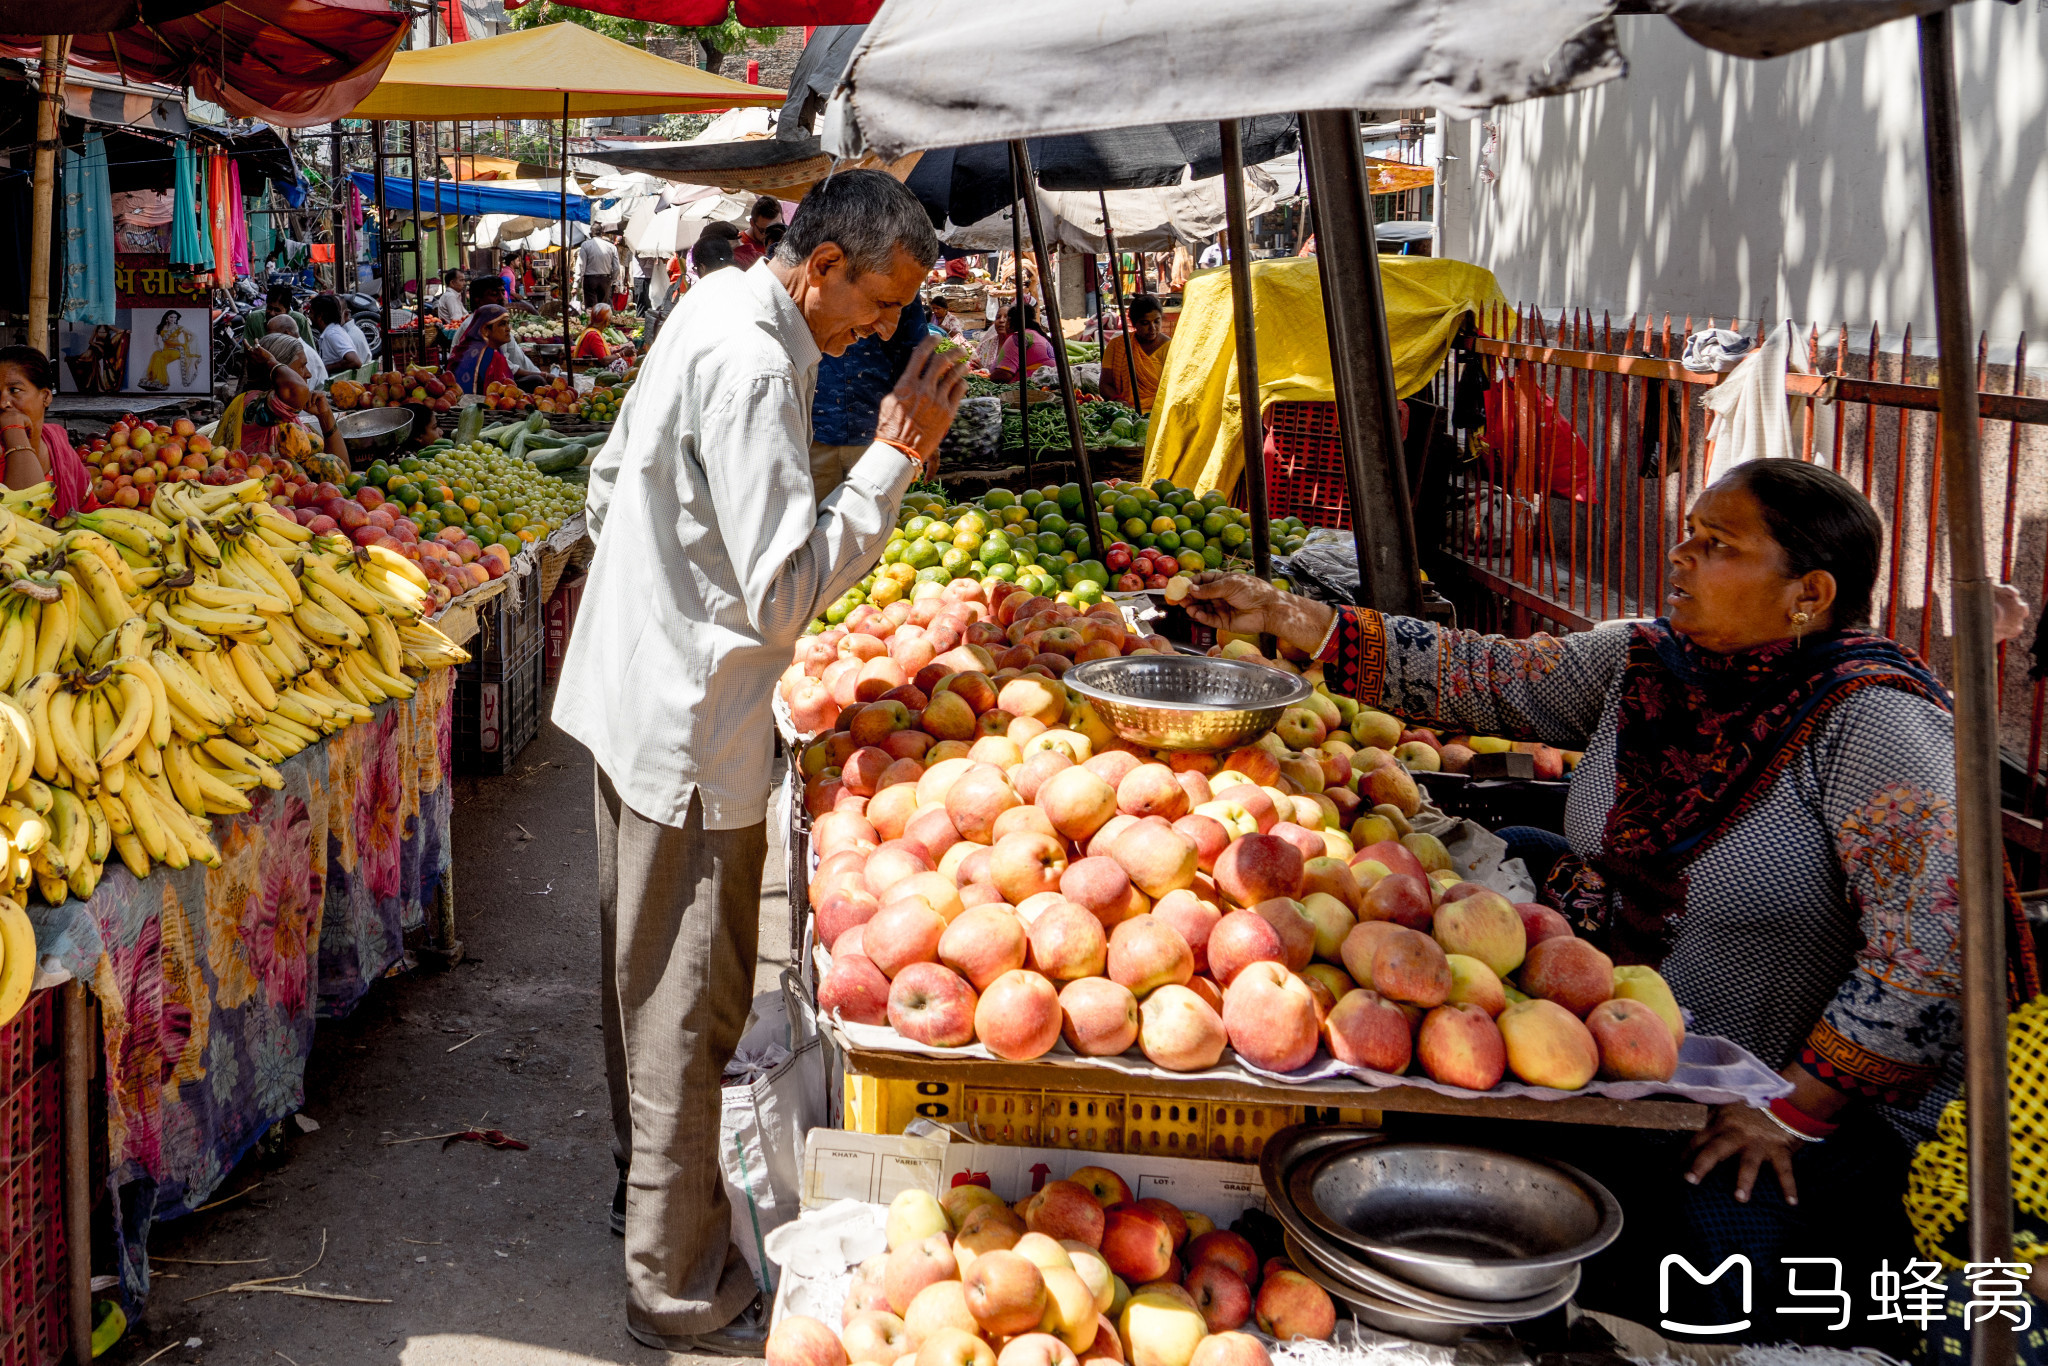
point(713, 41)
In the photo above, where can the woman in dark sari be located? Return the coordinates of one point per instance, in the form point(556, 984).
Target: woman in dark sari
point(1766, 813)
point(479, 360)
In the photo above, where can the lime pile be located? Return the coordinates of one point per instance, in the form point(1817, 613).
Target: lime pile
point(1038, 539)
point(480, 490)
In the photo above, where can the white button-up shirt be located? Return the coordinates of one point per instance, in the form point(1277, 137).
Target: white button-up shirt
point(712, 555)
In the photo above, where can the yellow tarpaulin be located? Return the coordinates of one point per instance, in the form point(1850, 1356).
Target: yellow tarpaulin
point(526, 74)
point(1194, 435)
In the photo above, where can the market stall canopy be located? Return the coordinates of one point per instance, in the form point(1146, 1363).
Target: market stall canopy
point(933, 73)
point(1143, 220)
point(292, 63)
point(473, 197)
point(672, 231)
point(527, 74)
point(1194, 437)
point(90, 16)
point(752, 13)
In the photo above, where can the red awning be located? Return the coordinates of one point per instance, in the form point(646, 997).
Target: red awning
point(294, 63)
point(752, 13)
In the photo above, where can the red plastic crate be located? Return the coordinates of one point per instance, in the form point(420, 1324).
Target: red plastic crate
point(1305, 465)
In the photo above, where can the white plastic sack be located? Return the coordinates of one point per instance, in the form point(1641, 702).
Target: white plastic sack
point(766, 1112)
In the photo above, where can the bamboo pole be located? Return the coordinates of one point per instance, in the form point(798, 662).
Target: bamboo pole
point(1020, 155)
point(562, 262)
point(43, 200)
point(1981, 855)
point(1244, 322)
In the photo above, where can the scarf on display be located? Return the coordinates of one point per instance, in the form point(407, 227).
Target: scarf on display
point(1699, 739)
point(219, 216)
point(190, 250)
point(88, 234)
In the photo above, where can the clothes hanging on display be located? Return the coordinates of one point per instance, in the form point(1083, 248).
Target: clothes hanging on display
point(263, 237)
point(88, 234)
point(219, 227)
point(238, 218)
point(190, 249)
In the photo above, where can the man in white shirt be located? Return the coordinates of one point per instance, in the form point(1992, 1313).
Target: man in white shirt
point(448, 306)
point(599, 261)
point(1212, 255)
point(341, 343)
point(712, 557)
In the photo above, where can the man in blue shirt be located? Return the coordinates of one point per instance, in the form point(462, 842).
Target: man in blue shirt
point(851, 388)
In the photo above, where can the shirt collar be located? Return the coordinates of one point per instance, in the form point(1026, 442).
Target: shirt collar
point(785, 317)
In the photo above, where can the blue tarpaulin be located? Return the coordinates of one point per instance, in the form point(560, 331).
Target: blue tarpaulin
point(474, 197)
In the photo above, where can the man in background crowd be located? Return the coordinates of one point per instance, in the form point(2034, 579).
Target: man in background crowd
point(753, 244)
point(598, 260)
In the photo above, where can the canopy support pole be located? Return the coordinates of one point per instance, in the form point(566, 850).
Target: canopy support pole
point(1116, 278)
point(1020, 153)
point(1017, 278)
point(384, 252)
point(338, 210)
point(419, 247)
point(1981, 861)
point(562, 244)
point(1244, 322)
point(1362, 363)
point(43, 197)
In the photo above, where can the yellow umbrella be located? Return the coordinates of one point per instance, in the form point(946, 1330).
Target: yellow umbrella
point(555, 71)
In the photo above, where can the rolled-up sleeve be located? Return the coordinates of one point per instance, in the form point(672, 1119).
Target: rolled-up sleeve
point(790, 554)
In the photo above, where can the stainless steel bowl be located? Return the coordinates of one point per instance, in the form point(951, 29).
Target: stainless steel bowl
point(1464, 1221)
point(1186, 702)
point(372, 431)
point(1417, 1324)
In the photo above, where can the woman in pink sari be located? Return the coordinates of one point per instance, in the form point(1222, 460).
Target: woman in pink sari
point(38, 451)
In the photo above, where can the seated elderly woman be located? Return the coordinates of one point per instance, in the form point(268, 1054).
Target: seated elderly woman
point(263, 420)
point(600, 340)
point(478, 359)
point(1765, 812)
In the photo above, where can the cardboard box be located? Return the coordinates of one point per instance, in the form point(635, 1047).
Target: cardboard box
point(560, 620)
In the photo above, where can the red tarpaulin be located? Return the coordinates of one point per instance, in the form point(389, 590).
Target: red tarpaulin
point(294, 63)
point(752, 13)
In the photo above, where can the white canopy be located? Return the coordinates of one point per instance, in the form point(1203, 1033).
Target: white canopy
point(1144, 220)
point(936, 73)
point(663, 232)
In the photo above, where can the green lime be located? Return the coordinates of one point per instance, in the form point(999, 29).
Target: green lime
point(1087, 592)
point(1125, 508)
point(1233, 536)
point(1212, 557)
point(955, 560)
point(1006, 572)
point(998, 499)
point(920, 554)
point(1169, 540)
point(1070, 497)
point(1093, 571)
point(1192, 540)
point(1053, 523)
point(916, 526)
point(933, 574)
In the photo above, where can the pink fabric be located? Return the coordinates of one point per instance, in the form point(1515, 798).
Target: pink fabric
point(238, 217)
point(219, 213)
point(68, 478)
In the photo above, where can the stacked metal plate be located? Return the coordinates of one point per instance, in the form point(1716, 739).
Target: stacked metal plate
point(1429, 1240)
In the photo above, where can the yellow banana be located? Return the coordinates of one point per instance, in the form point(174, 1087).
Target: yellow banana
point(231, 755)
point(114, 812)
point(134, 854)
point(177, 632)
point(384, 643)
point(53, 634)
point(71, 750)
point(18, 972)
point(26, 830)
point(250, 673)
point(132, 727)
point(142, 812)
point(342, 585)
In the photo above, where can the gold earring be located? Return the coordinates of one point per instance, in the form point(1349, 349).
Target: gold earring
point(1799, 620)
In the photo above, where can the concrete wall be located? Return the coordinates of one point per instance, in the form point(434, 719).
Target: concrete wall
point(1708, 184)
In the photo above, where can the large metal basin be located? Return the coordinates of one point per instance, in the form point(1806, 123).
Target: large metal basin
point(374, 431)
point(1470, 1222)
point(1186, 702)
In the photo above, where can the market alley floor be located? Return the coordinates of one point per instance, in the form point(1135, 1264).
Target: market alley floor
point(486, 1256)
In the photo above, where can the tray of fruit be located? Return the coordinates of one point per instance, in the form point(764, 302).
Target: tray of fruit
point(1295, 914)
point(436, 388)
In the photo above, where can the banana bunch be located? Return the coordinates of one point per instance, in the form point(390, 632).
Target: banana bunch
point(156, 667)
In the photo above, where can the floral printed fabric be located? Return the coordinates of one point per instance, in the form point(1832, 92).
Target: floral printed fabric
point(209, 980)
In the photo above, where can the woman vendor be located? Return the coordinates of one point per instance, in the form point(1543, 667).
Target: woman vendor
point(1144, 358)
point(1765, 812)
point(600, 341)
point(1023, 320)
point(38, 450)
point(479, 360)
point(264, 418)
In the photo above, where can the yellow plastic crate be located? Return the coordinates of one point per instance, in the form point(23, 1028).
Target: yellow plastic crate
point(1082, 1121)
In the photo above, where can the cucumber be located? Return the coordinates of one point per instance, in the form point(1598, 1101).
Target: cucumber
point(501, 435)
point(565, 457)
point(538, 422)
point(517, 450)
point(537, 440)
point(470, 425)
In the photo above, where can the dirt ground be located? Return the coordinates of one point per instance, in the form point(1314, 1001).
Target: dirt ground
point(485, 1255)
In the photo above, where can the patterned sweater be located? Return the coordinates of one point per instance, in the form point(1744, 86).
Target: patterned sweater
point(1819, 927)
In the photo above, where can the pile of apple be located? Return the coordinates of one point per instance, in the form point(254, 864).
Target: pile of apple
point(994, 865)
point(1419, 749)
point(1078, 1272)
point(135, 456)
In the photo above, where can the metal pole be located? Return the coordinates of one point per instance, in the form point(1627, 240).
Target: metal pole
point(562, 243)
point(1020, 154)
point(383, 247)
point(43, 196)
point(1017, 277)
point(1116, 277)
point(1347, 259)
point(77, 1029)
point(1981, 861)
point(338, 183)
point(1244, 322)
point(419, 256)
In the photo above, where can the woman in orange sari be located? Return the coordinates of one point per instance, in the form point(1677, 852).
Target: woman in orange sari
point(1143, 359)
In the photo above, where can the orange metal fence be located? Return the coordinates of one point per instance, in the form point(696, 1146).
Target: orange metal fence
point(1562, 507)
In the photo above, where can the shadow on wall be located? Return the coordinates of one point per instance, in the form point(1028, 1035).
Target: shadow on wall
point(1790, 187)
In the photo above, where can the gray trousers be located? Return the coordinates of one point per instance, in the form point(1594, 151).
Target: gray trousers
point(679, 912)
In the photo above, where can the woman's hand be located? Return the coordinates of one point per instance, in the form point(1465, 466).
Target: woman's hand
point(14, 420)
point(1250, 606)
point(1753, 1137)
point(317, 404)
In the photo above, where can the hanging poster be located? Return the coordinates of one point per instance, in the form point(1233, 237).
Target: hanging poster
point(160, 341)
